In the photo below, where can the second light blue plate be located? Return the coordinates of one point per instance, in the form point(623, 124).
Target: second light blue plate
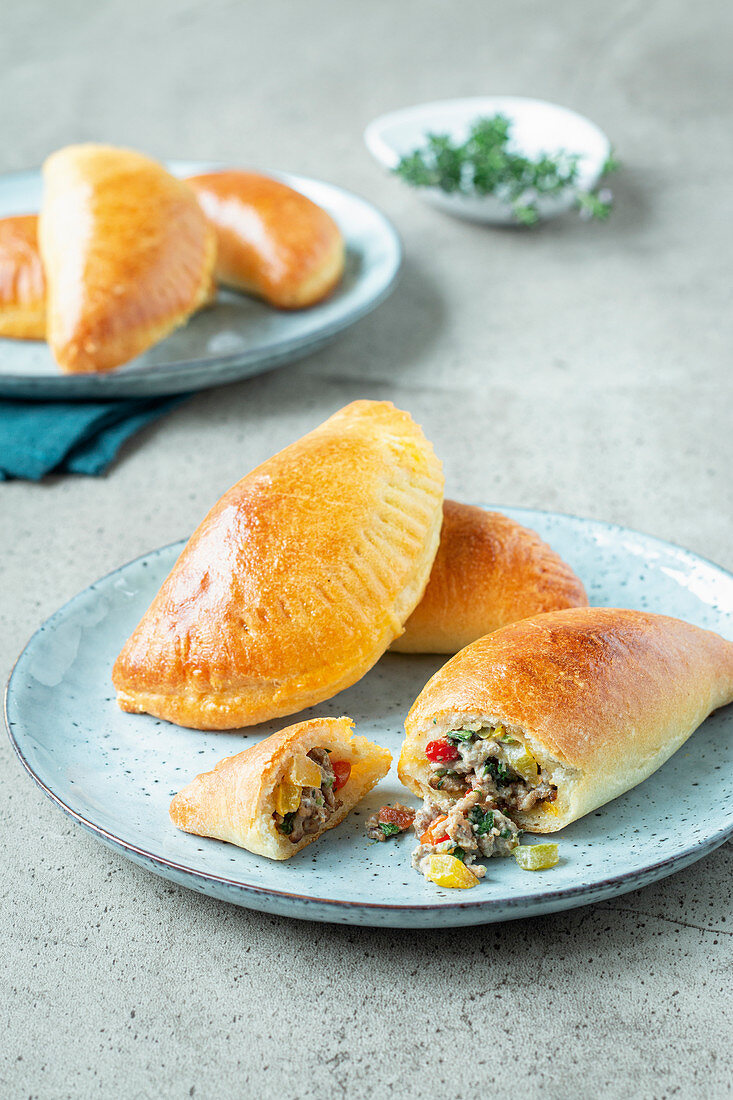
point(234, 338)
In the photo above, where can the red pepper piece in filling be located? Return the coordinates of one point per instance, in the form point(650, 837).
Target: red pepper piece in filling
point(441, 752)
point(401, 816)
point(434, 833)
point(341, 773)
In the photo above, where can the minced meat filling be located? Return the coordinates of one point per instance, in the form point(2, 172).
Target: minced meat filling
point(472, 828)
point(316, 803)
point(390, 820)
point(483, 761)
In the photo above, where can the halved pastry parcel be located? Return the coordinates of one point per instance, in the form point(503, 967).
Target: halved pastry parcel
point(553, 716)
point(282, 793)
point(489, 571)
point(297, 580)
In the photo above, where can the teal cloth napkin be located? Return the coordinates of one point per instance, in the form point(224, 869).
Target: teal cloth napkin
point(39, 438)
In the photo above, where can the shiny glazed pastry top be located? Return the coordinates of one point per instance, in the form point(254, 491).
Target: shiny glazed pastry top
point(489, 571)
point(273, 242)
point(127, 252)
point(296, 581)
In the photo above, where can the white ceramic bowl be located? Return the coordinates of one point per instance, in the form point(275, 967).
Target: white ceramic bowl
point(536, 127)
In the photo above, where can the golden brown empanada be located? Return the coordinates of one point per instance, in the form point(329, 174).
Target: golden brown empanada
point(297, 580)
point(557, 714)
point(22, 284)
point(489, 571)
point(273, 242)
point(283, 793)
point(127, 251)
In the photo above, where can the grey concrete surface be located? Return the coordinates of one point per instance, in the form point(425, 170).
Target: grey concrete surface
point(581, 368)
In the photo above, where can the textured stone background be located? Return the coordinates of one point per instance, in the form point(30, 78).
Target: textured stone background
point(581, 368)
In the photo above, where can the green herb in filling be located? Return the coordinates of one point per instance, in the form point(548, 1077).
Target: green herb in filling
point(459, 854)
point(460, 735)
point(286, 825)
point(389, 829)
point(498, 772)
point(481, 820)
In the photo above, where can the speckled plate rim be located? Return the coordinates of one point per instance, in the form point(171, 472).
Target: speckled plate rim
point(343, 911)
point(230, 366)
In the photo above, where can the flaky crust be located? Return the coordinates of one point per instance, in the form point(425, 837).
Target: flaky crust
point(273, 242)
point(127, 251)
point(602, 697)
point(22, 284)
point(297, 580)
point(489, 571)
point(234, 802)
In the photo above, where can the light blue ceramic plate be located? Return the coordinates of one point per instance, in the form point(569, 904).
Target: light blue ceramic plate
point(115, 773)
point(235, 338)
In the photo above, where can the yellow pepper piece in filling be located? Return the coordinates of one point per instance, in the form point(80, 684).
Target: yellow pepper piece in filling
point(536, 857)
point(491, 733)
point(304, 772)
point(521, 759)
point(287, 796)
point(445, 870)
point(301, 772)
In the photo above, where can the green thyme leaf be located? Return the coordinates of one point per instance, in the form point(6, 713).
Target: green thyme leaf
point(388, 828)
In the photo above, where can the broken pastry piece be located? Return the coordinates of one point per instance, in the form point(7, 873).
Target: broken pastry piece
point(273, 242)
point(280, 795)
point(127, 251)
point(297, 580)
point(489, 571)
point(551, 717)
point(22, 283)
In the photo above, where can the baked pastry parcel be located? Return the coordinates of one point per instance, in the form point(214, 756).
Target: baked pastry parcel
point(489, 571)
point(22, 282)
point(297, 580)
point(127, 251)
point(553, 716)
point(280, 795)
point(273, 242)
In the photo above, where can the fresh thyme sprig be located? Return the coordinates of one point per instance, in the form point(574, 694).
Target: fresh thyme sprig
point(485, 164)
